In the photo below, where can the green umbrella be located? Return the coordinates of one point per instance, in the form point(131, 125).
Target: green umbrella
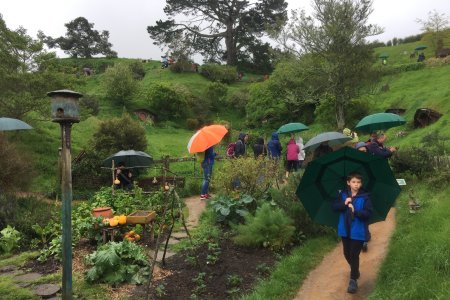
point(383, 56)
point(379, 121)
point(332, 137)
point(7, 124)
point(326, 176)
point(130, 158)
point(421, 47)
point(292, 127)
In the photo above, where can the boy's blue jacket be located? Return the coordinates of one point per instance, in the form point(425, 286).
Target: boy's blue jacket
point(354, 226)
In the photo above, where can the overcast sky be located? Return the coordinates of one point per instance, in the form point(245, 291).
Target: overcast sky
point(127, 21)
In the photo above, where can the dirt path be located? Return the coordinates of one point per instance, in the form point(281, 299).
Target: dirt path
point(330, 279)
point(196, 207)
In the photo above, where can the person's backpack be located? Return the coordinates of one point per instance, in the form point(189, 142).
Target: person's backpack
point(231, 149)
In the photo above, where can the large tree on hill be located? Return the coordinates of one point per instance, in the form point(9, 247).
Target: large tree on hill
point(210, 24)
point(82, 40)
point(336, 34)
point(435, 25)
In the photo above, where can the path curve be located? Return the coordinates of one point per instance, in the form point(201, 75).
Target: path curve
point(195, 207)
point(329, 280)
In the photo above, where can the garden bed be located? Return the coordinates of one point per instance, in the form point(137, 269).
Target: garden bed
point(235, 272)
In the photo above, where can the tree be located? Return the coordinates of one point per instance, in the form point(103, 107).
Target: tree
point(119, 84)
point(435, 25)
point(24, 76)
point(336, 34)
point(82, 40)
point(238, 24)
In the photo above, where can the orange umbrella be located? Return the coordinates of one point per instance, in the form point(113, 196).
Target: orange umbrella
point(206, 137)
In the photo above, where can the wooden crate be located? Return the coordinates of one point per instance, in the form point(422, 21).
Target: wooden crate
point(141, 217)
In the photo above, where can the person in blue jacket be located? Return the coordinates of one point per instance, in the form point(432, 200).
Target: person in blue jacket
point(207, 166)
point(274, 147)
point(355, 208)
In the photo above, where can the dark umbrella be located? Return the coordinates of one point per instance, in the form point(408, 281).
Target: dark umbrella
point(383, 56)
point(131, 159)
point(379, 121)
point(332, 137)
point(421, 47)
point(292, 127)
point(326, 176)
point(7, 124)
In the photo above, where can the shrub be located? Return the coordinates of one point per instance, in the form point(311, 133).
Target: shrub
point(9, 240)
point(269, 227)
point(137, 68)
point(255, 175)
point(89, 105)
point(192, 123)
point(23, 213)
point(118, 134)
point(231, 209)
point(115, 263)
point(239, 99)
point(437, 62)
point(119, 84)
point(166, 101)
point(182, 65)
point(223, 74)
point(216, 94)
point(16, 168)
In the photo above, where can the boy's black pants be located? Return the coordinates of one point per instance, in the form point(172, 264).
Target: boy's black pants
point(352, 249)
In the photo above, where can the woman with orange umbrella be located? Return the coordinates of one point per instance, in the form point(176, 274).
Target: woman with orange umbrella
point(203, 141)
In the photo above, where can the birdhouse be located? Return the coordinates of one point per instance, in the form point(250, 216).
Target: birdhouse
point(65, 106)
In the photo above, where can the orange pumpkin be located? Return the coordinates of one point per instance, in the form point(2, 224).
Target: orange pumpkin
point(113, 222)
point(122, 219)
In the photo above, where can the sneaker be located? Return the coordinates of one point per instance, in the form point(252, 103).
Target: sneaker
point(207, 196)
point(203, 197)
point(365, 247)
point(352, 286)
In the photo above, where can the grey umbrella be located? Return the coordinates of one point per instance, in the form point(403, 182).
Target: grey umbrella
point(7, 124)
point(332, 137)
point(131, 159)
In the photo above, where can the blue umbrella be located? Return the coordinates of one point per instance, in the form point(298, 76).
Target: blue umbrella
point(332, 137)
point(7, 124)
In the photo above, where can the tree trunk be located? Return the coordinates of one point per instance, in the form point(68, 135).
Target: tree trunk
point(230, 43)
point(340, 112)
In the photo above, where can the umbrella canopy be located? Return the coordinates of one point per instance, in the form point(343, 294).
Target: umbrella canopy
point(292, 127)
point(332, 137)
point(206, 137)
point(383, 55)
point(380, 121)
point(326, 176)
point(13, 124)
point(131, 159)
point(421, 47)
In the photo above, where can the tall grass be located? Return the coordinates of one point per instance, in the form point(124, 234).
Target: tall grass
point(418, 262)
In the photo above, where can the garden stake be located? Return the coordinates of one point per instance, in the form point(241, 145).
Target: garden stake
point(152, 267)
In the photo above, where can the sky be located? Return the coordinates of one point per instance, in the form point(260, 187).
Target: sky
point(127, 21)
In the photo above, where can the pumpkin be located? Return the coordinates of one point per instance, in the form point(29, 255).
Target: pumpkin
point(137, 237)
point(122, 219)
point(113, 222)
point(117, 181)
point(105, 221)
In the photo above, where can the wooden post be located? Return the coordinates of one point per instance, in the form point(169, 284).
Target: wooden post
point(66, 197)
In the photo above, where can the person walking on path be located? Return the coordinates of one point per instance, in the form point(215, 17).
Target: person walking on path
point(301, 153)
point(207, 166)
point(355, 208)
point(274, 147)
point(240, 145)
point(259, 149)
point(292, 152)
point(362, 146)
point(322, 150)
point(123, 175)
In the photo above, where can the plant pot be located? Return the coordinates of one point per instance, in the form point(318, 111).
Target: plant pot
point(105, 212)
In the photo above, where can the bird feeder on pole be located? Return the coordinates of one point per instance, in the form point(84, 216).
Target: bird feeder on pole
point(65, 111)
